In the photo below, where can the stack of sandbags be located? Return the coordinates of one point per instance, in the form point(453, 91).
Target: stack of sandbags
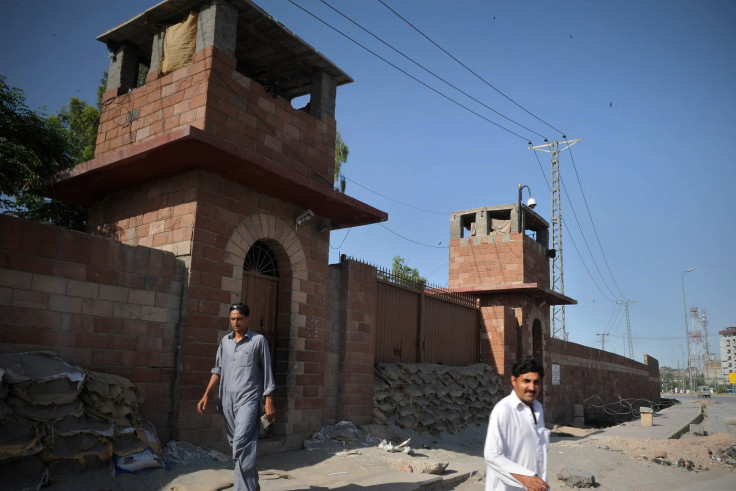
point(434, 398)
point(111, 397)
point(63, 419)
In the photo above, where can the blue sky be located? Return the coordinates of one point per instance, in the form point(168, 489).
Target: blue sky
point(649, 86)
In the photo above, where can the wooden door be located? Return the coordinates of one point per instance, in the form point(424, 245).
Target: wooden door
point(260, 293)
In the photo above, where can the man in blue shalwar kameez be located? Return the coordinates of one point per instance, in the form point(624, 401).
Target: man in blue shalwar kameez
point(243, 372)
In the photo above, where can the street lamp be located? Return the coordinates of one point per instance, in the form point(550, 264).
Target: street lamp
point(687, 331)
point(531, 204)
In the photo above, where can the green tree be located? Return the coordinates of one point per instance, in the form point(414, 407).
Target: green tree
point(33, 147)
point(341, 158)
point(80, 121)
point(402, 270)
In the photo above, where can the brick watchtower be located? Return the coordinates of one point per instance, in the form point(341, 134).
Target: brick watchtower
point(508, 269)
point(208, 159)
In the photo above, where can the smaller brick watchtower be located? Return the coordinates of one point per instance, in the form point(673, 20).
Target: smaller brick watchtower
point(504, 259)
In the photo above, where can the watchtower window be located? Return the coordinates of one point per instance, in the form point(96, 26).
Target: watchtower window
point(467, 222)
point(499, 221)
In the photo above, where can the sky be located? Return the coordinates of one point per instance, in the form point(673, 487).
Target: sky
point(650, 87)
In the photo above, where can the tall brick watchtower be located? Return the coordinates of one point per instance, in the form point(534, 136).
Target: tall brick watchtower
point(505, 261)
point(209, 160)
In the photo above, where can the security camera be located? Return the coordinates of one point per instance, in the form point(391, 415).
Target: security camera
point(531, 203)
point(308, 214)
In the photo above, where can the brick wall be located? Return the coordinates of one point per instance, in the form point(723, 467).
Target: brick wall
point(598, 377)
point(497, 259)
point(211, 95)
point(98, 303)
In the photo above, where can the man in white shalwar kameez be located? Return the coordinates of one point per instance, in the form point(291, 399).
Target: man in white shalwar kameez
point(517, 440)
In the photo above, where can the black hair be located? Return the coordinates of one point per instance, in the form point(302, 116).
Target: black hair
point(526, 365)
point(240, 307)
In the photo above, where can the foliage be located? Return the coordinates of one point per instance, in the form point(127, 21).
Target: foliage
point(33, 147)
point(341, 158)
point(403, 270)
point(80, 122)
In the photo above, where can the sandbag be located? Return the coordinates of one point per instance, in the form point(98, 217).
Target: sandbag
point(28, 473)
point(180, 41)
point(41, 378)
point(110, 397)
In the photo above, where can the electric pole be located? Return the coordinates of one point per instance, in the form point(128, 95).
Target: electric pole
point(628, 326)
point(603, 340)
point(558, 279)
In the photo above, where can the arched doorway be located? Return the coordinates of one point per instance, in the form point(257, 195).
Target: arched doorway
point(261, 291)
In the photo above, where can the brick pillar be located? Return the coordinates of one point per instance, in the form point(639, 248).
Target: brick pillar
point(355, 393)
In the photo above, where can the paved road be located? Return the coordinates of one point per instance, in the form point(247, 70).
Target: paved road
point(717, 407)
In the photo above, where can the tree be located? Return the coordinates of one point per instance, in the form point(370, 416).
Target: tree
point(33, 147)
point(404, 271)
point(341, 158)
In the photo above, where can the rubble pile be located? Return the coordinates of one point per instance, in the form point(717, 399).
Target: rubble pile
point(58, 419)
point(434, 398)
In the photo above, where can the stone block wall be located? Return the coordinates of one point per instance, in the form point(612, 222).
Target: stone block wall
point(98, 303)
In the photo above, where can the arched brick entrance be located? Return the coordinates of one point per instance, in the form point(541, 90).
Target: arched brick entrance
point(281, 239)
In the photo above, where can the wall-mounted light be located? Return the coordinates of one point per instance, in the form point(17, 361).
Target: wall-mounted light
point(304, 217)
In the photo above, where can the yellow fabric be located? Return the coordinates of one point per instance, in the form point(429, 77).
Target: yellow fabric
point(179, 44)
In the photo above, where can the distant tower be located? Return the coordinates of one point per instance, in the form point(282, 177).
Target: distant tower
point(696, 341)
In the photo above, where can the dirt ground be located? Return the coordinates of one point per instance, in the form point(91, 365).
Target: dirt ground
point(634, 464)
point(617, 464)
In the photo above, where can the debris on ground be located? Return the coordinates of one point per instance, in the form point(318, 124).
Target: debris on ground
point(402, 447)
point(575, 478)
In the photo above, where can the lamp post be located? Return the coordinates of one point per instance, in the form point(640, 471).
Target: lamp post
point(687, 331)
point(531, 204)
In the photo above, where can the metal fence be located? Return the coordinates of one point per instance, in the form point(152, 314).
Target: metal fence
point(419, 323)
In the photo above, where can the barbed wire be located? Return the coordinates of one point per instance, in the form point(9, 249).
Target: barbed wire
point(621, 406)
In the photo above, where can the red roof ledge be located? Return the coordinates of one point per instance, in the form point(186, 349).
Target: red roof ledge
point(530, 289)
point(190, 148)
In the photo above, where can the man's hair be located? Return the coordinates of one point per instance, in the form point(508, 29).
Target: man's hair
point(526, 365)
point(240, 307)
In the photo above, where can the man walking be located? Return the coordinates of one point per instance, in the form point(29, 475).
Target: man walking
point(517, 440)
point(243, 372)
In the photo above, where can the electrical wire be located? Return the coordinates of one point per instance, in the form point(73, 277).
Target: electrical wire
point(468, 69)
point(430, 72)
point(343, 240)
point(587, 246)
point(408, 74)
point(411, 240)
point(595, 230)
point(395, 201)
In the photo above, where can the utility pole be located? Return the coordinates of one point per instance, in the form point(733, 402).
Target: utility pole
point(603, 340)
point(628, 326)
point(558, 279)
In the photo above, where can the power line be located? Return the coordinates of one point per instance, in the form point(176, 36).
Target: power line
point(468, 69)
point(595, 230)
point(395, 201)
point(408, 74)
point(411, 240)
point(431, 72)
